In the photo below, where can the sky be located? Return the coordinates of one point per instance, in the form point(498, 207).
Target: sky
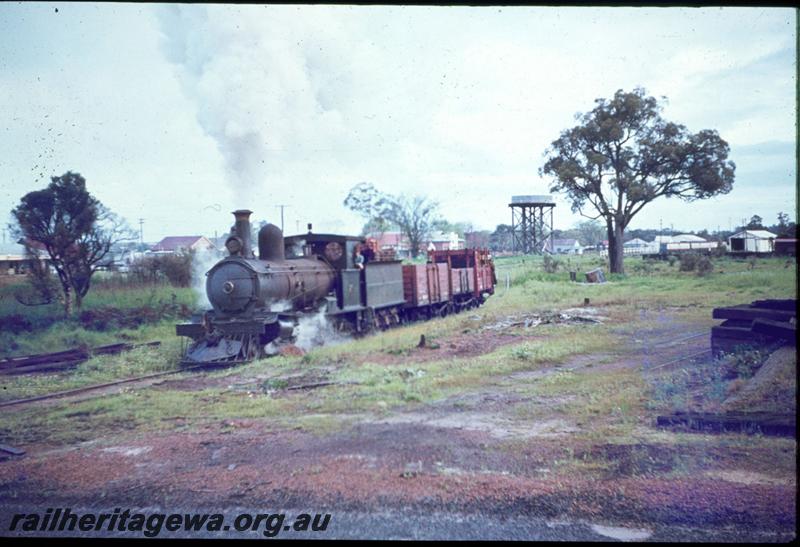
point(179, 114)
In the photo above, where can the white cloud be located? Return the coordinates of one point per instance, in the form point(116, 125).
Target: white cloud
point(183, 113)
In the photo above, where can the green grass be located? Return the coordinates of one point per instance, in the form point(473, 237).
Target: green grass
point(731, 282)
point(52, 332)
point(102, 368)
point(605, 406)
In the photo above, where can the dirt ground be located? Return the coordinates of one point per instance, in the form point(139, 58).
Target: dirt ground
point(469, 455)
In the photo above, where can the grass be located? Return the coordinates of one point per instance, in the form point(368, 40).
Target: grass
point(102, 368)
point(49, 331)
point(607, 407)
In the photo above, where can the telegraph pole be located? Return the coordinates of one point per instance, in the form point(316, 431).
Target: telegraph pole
point(141, 231)
point(282, 208)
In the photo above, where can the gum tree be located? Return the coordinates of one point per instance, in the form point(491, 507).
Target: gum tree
point(415, 215)
point(623, 155)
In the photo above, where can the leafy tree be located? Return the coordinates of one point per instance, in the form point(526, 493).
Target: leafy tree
point(376, 227)
point(477, 239)
point(459, 228)
point(590, 232)
point(784, 227)
point(756, 223)
point(414, 215)
point(623, 155)
point(75, 229)
point(500, 239)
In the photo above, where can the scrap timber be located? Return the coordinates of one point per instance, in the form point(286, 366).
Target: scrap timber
point(763, 322)
point(61, 360)
point(765, 423)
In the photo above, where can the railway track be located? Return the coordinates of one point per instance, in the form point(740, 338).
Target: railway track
point(61, 360)
point(94, 387)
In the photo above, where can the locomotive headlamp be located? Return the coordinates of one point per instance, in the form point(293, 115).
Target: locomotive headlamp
point(234, 245)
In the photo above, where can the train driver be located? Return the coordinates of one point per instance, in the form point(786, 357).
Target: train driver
point(359, 258)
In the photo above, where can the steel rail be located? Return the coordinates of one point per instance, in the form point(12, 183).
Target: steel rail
point(103, 385)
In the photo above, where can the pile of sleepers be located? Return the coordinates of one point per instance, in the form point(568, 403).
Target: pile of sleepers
point(763, 322)
point(61, 360)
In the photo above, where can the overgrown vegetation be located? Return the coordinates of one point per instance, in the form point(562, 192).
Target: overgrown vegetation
point(111, 312)
point(705, 383)
point(176, 269)
point(696, 262)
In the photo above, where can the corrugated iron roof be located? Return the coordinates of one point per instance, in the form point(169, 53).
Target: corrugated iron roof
point(762, 234)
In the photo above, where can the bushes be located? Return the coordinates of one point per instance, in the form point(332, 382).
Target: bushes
point(550, 264)
point(644, 267)
point(704, 266)
point(176, 269)
point(111, 318)
point(694, 262)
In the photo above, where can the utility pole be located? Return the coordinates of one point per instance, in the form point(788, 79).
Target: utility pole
point(141, 231)
point(282, 208)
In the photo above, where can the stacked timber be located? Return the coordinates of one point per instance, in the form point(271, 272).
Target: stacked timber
point(762, 322)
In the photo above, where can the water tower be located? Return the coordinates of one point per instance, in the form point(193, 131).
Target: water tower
point(529, 223)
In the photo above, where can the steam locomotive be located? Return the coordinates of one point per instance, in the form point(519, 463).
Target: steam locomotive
point(257, 301)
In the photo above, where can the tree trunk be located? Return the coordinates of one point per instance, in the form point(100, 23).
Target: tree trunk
point(67, 300)
point(414, 244)
point(615, 248)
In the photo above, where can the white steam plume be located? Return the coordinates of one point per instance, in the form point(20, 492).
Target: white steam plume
point(202, 261)
point(316, 330)
point(266, 81)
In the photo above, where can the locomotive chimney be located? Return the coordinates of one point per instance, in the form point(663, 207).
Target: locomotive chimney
point(270, 243)
point(242, 227)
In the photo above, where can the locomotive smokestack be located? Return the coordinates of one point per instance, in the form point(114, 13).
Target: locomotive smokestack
point(242, 227)
point(270, 243)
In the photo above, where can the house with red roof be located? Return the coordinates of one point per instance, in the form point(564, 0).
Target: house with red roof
point(182, 244)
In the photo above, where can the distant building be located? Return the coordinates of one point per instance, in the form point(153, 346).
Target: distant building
point(182, 244)
point(786, 246)
point(442, 241)
point(679, 238)
point(396, 242)
point(563, 246)
point(752, 241)
point(635, 243)
point(14, 259)
point(121, 261)
point(687, 238)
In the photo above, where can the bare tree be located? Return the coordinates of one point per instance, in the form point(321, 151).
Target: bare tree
point(414, 215)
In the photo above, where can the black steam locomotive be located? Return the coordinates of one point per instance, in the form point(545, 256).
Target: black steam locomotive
point(257, 301)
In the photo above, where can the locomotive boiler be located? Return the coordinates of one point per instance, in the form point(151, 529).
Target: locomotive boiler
point(258, 300)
